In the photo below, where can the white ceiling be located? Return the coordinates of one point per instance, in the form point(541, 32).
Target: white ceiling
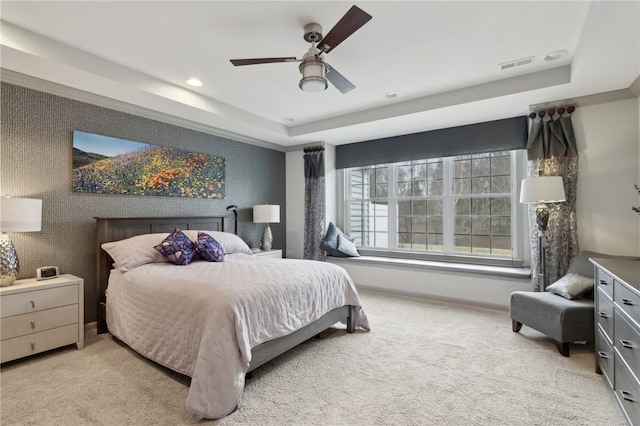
point(440, 57)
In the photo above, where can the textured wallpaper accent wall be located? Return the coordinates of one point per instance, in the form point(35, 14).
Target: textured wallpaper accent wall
point(36, 162)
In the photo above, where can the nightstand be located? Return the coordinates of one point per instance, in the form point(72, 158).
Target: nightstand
point(36, 316)
point(274, 253)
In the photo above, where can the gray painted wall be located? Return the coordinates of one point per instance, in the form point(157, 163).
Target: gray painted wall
point(36, 162)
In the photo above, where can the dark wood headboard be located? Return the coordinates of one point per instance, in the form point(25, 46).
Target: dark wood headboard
point(119, 228)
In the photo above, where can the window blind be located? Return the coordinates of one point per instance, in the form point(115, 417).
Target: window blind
point(499, 135)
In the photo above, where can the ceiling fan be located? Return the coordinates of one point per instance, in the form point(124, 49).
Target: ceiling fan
point(315, 71)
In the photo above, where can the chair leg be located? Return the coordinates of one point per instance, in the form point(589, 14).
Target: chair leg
point(563, 348)
point(515, 325)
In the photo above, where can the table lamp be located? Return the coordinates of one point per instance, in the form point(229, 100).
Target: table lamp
point(266, 213)
point(16, 215)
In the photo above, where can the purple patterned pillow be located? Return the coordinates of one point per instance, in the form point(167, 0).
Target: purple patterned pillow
point(177, 248)
point(209, 248)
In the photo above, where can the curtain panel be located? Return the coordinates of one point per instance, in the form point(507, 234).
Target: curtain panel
point(314, 203)
point(552, 151)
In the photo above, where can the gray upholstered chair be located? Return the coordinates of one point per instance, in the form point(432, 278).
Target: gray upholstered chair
point(563, 320)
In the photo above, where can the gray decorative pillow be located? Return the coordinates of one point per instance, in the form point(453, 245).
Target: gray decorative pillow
point(346, 247)
point(571, 285)
point(330, 241)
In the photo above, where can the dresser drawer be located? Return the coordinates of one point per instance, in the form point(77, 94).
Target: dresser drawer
point(38, 300)
point(38, 342)
point(604, 314)
point(627, 392)
point(627, 300)
point(627, 341)
point(605, 356)
point(19, 325)
point(605, 282)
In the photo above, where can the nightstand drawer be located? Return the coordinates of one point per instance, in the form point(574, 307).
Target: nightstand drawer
point(20, 325)
point(274, 253)
point(38, 300)
point(38, 342)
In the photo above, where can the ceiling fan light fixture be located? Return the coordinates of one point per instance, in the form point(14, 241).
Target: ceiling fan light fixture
point(312, 70)
point(313, 84)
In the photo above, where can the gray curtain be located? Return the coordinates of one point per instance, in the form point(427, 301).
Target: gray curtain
point(314, 203)
point(552, 151)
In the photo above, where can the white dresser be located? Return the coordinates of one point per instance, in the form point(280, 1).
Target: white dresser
point(617, 309)
point(274, 253)
point(36, 316)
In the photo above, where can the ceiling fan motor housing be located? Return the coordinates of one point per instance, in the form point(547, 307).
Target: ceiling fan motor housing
point(313, 33)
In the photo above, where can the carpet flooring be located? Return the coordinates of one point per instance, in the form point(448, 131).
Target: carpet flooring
point(423, 363)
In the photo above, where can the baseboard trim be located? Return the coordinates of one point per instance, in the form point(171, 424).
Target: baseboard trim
point(92, 326)
point(431, 297)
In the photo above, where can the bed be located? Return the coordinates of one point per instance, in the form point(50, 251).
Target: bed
point(213, 322)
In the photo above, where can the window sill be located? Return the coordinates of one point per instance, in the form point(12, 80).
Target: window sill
point(524, 273)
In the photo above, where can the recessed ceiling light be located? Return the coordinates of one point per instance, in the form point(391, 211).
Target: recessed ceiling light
point(288, 120)
point(391, 95)
point(556, 54)
point(194, 82)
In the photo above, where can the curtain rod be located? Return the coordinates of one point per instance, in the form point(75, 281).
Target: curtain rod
point(552, 110)
point(314, 149)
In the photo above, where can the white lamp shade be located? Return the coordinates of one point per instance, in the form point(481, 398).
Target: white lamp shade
point(266, 213)
point(20, 214)
point(543, 189)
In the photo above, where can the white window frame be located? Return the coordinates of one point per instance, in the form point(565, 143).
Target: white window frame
point(519, 222)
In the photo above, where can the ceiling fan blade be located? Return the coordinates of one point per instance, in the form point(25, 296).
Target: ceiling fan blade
point(349, 24)
point(338, 80)
point(256, 61)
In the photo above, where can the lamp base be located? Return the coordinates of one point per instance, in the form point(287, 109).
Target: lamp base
point(9, 265)
point(267, 238)
point(542, 216)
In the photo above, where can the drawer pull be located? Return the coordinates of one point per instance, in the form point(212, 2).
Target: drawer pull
point(627, 344)
point(627, 302)
point(603, 315)
point(33, 304)
point(603, 355)
point(627, 396)
point(604, 282)
point(33, 346)
point(33, 325)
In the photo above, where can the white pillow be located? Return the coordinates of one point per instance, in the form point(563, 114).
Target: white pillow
point(139, 250)
point(345, 246)
point(135, 251)
point(571, 285)
point(231, 242)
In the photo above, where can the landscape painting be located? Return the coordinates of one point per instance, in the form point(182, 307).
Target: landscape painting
point(107, 165)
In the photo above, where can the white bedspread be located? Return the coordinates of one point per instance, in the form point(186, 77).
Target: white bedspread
point(203, 319)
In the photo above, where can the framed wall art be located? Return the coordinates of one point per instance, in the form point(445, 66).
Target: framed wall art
point(106, 165)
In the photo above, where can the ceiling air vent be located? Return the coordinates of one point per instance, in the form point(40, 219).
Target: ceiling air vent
point(517, 63)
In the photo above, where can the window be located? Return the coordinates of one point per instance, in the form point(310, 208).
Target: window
point(456, 206)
